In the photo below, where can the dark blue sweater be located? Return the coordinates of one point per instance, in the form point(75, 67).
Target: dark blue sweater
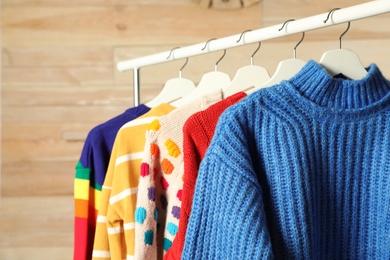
point(300, 170)
point(89, 178)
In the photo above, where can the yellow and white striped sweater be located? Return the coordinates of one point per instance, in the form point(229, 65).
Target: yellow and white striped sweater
point(114, 237)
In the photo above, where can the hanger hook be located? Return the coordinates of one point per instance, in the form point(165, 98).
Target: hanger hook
point(295, 48)
point(349, 25)
point(242, 35)
point(212, 39)
point(182, 67)
point(289, 20)
point(253, 54)
point(224, 52)
point(330, 12)
point(171, 52)
point(327, 18)
point(216, 64)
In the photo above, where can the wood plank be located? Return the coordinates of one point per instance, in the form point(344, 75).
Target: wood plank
point(38, 178)
point(90, 2)
point(226, 5)
point(248, 3)
point(29, 252)
point(279, 11)
point(47, 131)
point(61, 114)
point(122, 25)
point(56, 76)
point(65, 96)
point(282, 10)
point(79, 97)
point(47, 143)
point(57, 57)
point(41, 131)
point(204, 3)
point(46, 150)
point(37, 221)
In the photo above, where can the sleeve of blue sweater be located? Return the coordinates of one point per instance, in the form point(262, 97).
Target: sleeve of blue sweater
point(228, 219)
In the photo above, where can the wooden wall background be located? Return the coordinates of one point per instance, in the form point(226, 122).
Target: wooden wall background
point(59, 81)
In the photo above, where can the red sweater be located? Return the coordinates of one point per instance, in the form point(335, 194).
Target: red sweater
point(197, 134)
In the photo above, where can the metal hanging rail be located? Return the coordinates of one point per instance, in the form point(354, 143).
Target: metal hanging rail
point(343, 15)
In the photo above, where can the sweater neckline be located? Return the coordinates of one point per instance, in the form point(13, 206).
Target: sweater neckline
point(140, 109)
point(317, 92)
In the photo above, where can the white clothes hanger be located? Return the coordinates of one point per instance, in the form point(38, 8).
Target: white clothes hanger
point(248, 76)
point(174, 89)
point(285, 70)
point(211, 81)
point(343, 61)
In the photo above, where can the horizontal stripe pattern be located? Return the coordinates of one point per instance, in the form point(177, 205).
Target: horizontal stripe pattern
point(114, 230)
point(81, 189)
point(81, 208)
point(82, 173)
point(128, 157)
point(122, 195)
point(139, 121)
point(129, 226)
point(101, 219)
point(101, 254)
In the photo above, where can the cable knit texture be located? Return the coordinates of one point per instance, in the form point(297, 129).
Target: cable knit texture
point(197, 134)
point(300, 170)
point(161, 182)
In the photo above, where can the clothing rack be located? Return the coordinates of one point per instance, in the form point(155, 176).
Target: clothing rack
point(339, 16)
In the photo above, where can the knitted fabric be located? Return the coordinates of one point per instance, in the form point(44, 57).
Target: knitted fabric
point(300, 170)
point(114, 238)
point(161, 182)
point(197, 134)
point(90, 173)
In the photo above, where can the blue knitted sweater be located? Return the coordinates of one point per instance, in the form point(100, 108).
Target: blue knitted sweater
point(300, 170)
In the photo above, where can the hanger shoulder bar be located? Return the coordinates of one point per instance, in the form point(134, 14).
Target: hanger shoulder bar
point(343, 15)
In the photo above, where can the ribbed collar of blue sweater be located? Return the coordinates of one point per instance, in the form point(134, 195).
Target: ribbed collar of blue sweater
point(314, 89)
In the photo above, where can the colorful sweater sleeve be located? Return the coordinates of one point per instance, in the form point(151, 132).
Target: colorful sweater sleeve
point(159, 194)
point(90, 174)
point(82, 224)
point(228, 217)
point(101, 249)
point(87, 191)
point(120, 213)
point(193, 151)
point(146, 205)
point(115, 226)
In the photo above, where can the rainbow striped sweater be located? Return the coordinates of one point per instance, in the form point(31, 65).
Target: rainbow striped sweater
point(89, 178)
